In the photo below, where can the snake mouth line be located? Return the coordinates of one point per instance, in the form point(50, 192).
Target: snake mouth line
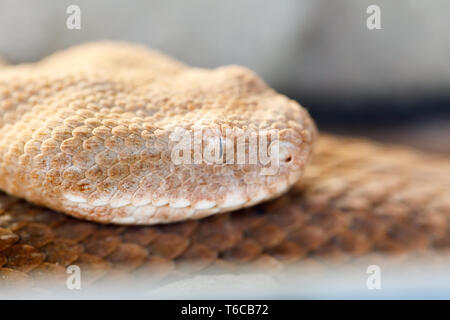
point(192, 207)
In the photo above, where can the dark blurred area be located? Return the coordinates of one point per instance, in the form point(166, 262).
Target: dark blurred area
point(390, 84)
point(422, 121)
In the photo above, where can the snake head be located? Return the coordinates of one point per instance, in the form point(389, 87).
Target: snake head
point(117, 133)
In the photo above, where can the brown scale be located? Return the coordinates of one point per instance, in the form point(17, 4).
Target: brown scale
point(357, 198)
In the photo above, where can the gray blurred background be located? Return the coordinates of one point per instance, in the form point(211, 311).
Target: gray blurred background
point(391, 84)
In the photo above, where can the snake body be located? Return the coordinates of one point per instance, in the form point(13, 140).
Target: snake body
point(356, 199)
point(88, 132)
point(84, 132)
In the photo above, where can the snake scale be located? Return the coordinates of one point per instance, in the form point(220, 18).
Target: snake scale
point(356, 197)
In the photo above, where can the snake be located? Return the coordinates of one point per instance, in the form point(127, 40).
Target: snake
point(355, 198)
point(89, 131)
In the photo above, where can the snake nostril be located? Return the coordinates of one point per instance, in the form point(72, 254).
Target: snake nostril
point(285, 155)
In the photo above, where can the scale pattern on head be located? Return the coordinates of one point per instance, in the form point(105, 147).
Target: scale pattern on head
point(90, 132)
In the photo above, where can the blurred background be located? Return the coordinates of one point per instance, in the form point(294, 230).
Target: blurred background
point(391, 84)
